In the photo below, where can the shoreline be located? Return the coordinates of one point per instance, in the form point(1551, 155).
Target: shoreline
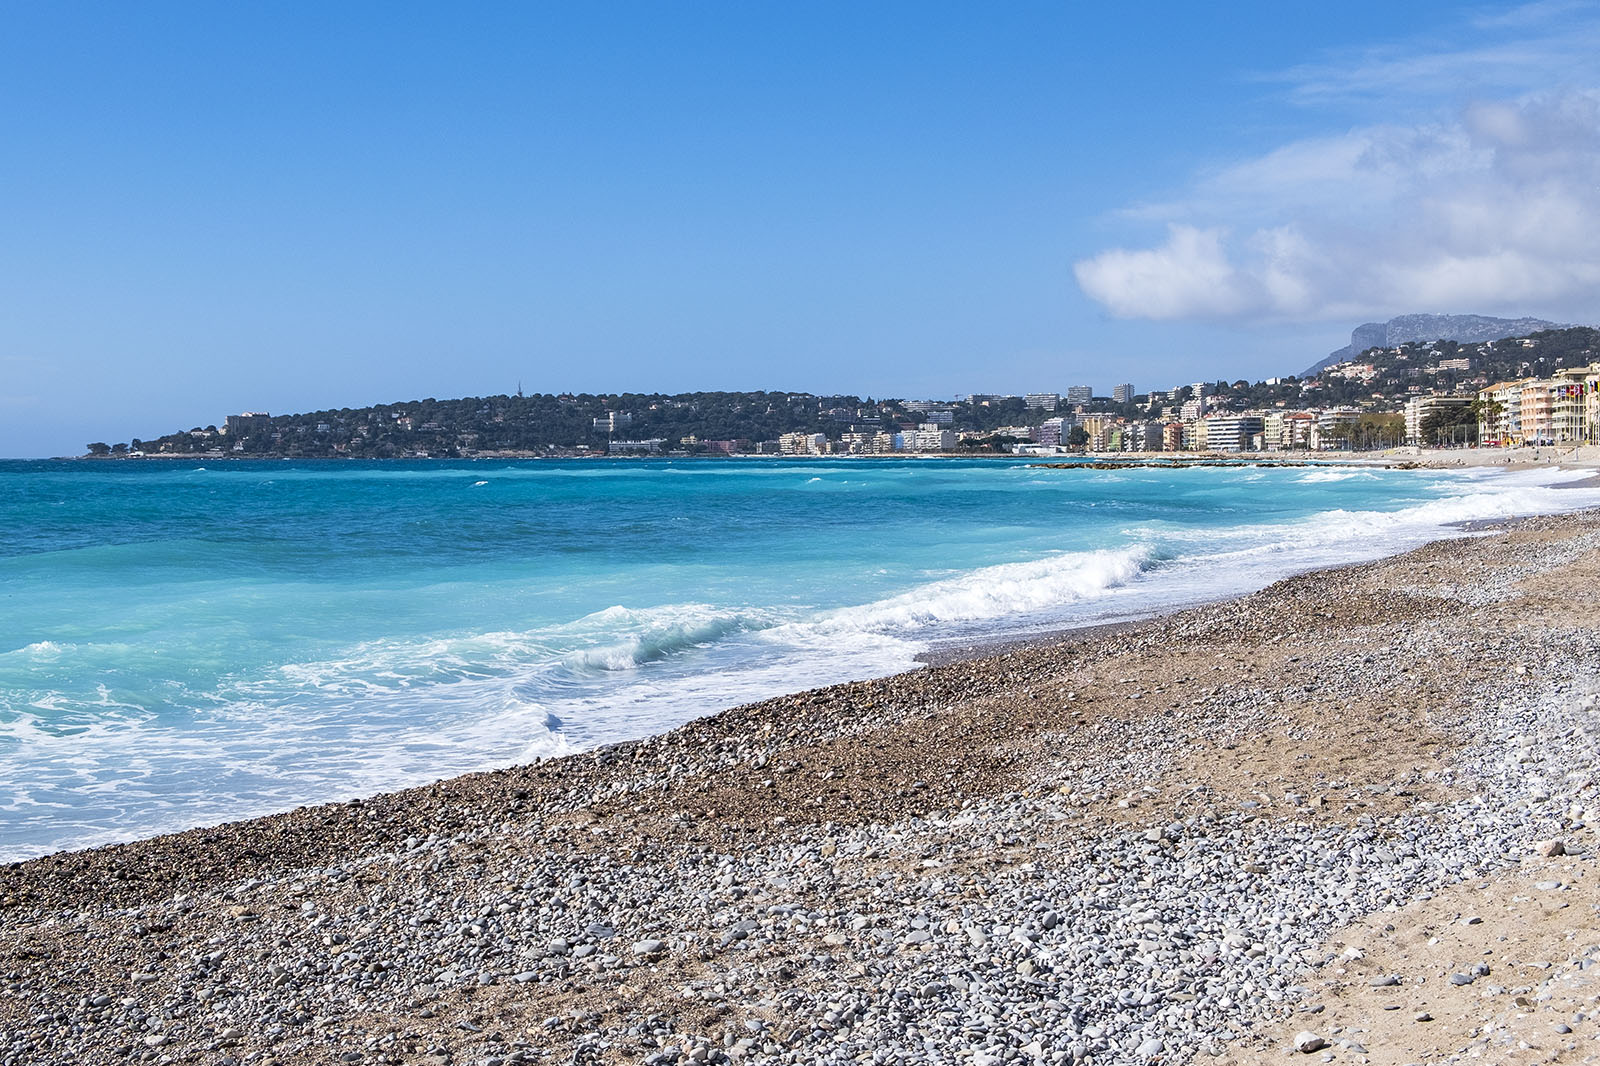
point(41, 830)
point(815, 875)
point(1572, 456)
point(940, 651)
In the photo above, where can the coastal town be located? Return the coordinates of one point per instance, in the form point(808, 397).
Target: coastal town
point(1542, 389)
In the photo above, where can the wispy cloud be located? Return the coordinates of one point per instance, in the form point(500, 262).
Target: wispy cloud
point(1490, 205)
point(1541, 14)
point(1521, 50)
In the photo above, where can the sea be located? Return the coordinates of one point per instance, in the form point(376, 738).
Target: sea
point(187, 643)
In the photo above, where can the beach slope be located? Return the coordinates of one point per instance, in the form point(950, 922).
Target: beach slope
point(1209, 834)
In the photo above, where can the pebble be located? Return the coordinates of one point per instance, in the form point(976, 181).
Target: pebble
point(1040, 934)
point(1306, 1042)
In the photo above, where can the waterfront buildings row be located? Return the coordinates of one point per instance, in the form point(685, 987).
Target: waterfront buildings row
point(1316, 430)
point(1561, 409)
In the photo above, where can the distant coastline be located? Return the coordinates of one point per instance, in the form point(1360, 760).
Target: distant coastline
point(1416, 393)
point(1521, 458)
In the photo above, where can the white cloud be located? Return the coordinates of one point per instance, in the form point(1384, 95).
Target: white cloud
point(1492, 205)
point(1188, 275)
point(1497, 209)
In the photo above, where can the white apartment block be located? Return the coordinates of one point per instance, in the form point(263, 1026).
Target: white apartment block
point(1335, 428)
point(867, 443)
point(930, 438)
point(803, 444)
point(1232, 433)
point(1420, 408)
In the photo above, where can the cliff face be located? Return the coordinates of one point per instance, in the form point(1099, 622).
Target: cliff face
point(1406, 329)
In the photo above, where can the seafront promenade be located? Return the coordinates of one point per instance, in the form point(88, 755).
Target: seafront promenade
point(1354, 809)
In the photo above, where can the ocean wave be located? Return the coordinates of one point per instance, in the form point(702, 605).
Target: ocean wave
point(984, 595)
point(646, 636)
point(157, 747)
point(1225, 561)
point(1314, 477)
point(39, 651)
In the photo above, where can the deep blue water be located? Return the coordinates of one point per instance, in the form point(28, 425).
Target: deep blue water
point(183, 644)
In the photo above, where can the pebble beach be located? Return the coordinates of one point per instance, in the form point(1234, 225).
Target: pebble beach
point(1349, 818)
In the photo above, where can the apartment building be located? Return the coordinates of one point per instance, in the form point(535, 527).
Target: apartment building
point(1571, 395)
point(1500, 412)
point(930, 437)
point(1419, 409)
point(1284, 431)
point(1538, 402)
point(636, 447)
point(803, 444)
point(1334, 429)
point(1053, 431)
point(1232, 433)
point(1144, 437)
point(866, 443)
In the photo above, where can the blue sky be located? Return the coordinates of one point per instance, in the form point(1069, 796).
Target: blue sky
point(211, 208)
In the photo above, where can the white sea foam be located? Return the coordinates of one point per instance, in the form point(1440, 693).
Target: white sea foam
point(40, 650)
point(646, 636)
point(1313, 477)
point(984, 595)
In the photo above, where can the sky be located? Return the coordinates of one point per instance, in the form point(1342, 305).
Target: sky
point(210, 208)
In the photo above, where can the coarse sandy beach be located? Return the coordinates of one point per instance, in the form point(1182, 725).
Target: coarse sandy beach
point(1355, 810)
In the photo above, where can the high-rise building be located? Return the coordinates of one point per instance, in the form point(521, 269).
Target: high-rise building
point(1053, 431)
point(1122, 393)
point(1232, 433)
point(1080, 393)
point(1419, 408)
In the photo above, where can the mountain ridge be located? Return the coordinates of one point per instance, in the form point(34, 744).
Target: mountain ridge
point(1415, 328)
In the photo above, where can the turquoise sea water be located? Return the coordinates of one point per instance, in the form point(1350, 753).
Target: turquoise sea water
point(183, 644)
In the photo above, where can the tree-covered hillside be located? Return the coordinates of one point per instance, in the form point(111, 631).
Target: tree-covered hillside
point(1377, 380)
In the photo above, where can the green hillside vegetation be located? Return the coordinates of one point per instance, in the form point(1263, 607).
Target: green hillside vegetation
point(546, 424)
